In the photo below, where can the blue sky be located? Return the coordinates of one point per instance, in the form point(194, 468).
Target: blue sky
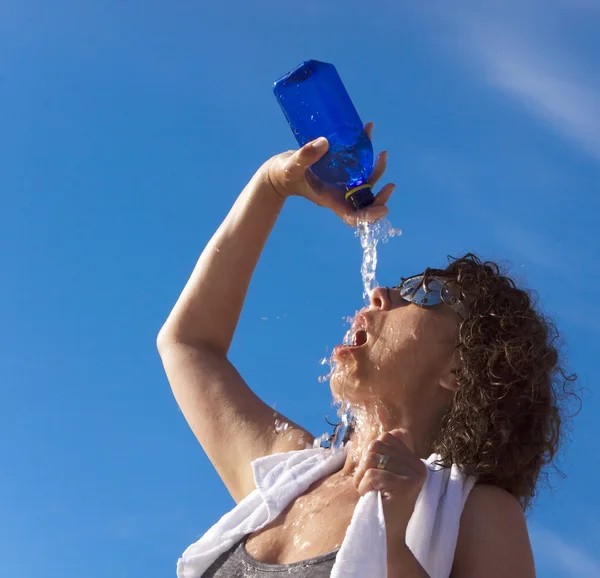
point(126, 131)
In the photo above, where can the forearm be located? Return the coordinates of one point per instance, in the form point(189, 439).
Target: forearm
point(208, 310)
point(403, 564)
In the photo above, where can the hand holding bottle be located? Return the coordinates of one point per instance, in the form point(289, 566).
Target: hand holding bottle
point(289, 175)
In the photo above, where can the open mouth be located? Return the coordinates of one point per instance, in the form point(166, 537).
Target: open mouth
point(358, 338)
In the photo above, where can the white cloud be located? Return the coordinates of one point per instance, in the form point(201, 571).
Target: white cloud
point(539, 78)
point(553, 551)
point(522, 50)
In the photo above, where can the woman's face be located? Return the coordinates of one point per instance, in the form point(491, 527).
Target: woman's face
point(401, 350)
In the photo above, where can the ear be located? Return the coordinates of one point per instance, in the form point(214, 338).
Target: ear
point(448, 380)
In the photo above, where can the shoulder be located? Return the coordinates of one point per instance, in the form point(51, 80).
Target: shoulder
point(493, 539)
point(487, 500)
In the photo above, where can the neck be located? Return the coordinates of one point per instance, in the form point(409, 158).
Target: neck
point(373, 419)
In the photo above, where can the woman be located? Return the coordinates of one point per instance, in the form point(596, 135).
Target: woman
point(454, 364)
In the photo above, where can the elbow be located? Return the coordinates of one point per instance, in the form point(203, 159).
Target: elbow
point(169, 339)
point(165, 339)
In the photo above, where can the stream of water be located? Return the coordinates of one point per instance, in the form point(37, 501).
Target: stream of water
point(370, 235)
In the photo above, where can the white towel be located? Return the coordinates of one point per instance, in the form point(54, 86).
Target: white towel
point(431, 534)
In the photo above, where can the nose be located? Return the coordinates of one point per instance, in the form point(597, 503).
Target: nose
point(381, 299)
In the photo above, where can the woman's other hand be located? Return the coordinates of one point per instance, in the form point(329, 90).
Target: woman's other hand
point(400, 482)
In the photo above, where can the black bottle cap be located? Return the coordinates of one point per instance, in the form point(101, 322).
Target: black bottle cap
point(360, 197)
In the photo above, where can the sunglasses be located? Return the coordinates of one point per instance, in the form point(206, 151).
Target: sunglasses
point(428, 291)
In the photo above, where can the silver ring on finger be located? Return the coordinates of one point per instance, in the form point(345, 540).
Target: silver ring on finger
point(383, 461)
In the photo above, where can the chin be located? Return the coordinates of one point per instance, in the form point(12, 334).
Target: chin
point(348, 382)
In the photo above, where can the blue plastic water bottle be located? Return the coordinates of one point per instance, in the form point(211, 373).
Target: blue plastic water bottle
point(316, 103)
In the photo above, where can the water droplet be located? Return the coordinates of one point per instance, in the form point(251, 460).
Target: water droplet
point(281, 426)
point(320, 441)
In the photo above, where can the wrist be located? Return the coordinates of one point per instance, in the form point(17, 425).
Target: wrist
point(403, 564)
point(270, 182)
point(263, 188)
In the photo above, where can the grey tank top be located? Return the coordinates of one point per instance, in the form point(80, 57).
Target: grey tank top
point(237, 563)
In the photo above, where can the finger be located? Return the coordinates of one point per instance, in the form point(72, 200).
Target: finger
point(383, 196)
point(380, 166)
point(371, 462)
point(308, 155)
point(405, 449)
point(371, 214)
point(371, 458)
point(382, 444)
point(369, 129)
point(383, 480)
point(344, 210)
point(405, 437)
point(390, 444)
point(402, 447)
